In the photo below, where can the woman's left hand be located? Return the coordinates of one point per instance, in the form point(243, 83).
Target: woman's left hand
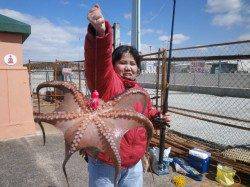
point(166, 117)
point(163, 119)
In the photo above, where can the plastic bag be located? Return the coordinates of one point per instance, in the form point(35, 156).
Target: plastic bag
point(225, 175)
point(154, 153)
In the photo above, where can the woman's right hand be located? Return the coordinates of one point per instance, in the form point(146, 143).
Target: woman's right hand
point(96, 19)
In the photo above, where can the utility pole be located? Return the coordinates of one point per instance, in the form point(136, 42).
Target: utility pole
point(116, 35)
point(135, 33)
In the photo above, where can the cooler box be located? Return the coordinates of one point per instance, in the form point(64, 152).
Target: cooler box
point(199, 159)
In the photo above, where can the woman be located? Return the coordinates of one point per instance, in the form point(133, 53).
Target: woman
point(112, 74)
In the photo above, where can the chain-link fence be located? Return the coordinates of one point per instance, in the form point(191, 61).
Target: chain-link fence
point(209, 91)
point(40, 71)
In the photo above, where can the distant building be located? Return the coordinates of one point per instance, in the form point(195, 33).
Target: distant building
point(181, 68)
point(189, 67)
point(208, 67)
point(244, 66)
point(197, 66)
point(223, 67)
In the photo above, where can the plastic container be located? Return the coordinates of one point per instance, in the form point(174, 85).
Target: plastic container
point(199, 164)
point(225, 175)
point(199, 159)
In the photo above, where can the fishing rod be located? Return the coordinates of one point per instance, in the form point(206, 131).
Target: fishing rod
point(161, 168)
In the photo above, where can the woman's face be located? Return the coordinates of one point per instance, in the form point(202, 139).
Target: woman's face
point(126, 67)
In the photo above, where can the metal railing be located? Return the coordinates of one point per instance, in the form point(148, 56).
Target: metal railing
point(209, 90)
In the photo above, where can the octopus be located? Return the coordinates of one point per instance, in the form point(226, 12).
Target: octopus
point(94, 130)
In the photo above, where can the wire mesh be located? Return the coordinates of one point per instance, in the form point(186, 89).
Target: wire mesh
point(47, 71)
point(40, 72)
point(209, 91)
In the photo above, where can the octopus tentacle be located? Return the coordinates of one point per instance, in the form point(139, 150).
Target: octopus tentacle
point(77, 138)
point(128, 114)
point(55, 116)
point(43, 131)
point(109, 143)
point(95, 130)
point(64, 86)
point(66, 158)
point(56, 84)
point(52, 118)
point(71, 148)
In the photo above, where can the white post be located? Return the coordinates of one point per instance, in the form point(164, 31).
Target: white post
point(135, 33)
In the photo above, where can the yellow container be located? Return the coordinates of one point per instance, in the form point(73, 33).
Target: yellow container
point(225, 175)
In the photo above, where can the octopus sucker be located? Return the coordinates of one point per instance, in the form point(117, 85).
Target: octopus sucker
point(101, 129)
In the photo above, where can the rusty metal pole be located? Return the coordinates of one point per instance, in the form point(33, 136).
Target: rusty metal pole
point(163, 78)
point(157, 79)
point(163, 109)
point(54, 95)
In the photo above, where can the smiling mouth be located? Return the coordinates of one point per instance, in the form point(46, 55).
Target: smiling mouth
point(127, 74)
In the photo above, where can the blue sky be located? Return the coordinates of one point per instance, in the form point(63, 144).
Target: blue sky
point(59, 26)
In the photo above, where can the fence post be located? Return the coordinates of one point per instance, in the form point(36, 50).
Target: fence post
point(157, 78)
point(164, 77)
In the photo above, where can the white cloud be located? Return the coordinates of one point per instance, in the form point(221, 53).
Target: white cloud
point(228, 19)
point(226, 12)
point(147, 31)
point(177, 38)
point(164, 38)
point(151, 31)
point(49, 41)
point(159, 31)
point(244, 37)
point(127, 15)
point(223, 6)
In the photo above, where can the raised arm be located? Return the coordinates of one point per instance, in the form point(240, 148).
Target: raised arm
point(98, 47)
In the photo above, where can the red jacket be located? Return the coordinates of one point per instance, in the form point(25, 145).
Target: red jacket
point(103, 78)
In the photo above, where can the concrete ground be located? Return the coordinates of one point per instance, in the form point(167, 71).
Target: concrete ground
point(26, 162)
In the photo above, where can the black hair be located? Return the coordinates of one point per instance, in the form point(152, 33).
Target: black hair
point(119, 51)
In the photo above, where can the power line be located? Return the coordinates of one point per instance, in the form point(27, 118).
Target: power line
point(159, 12)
